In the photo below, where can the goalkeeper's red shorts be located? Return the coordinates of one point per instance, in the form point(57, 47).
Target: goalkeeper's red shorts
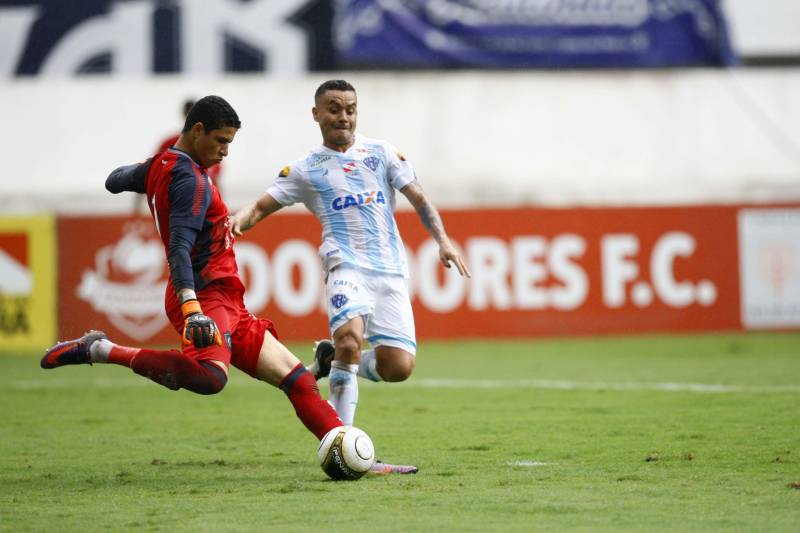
point(242, 333)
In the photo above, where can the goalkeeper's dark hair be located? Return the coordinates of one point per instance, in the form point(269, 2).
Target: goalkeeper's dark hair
point(333, 85)
point(214, 112)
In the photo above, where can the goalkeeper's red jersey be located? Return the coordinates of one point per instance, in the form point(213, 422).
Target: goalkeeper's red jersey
point(181, 195)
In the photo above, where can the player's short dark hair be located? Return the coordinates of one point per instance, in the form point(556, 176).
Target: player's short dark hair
point(214, 112)
point(333, 85)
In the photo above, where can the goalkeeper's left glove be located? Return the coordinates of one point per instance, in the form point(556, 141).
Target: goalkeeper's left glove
point(198, 329)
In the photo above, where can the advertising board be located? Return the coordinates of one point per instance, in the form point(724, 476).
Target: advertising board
point(27, 282)
point(535, 272)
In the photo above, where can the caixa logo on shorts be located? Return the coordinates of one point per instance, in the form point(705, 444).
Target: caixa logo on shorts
point(339, 300)
point(362, 198)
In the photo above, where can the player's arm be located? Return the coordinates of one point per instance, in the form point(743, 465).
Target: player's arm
point(430, 218)
point(284, 191)
point(186, 217)
point(129, 178)
point(247, 217)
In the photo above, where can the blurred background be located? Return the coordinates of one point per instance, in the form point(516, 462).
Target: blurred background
point(622, 166)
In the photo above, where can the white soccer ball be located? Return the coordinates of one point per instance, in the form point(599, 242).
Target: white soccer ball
point(346, 452)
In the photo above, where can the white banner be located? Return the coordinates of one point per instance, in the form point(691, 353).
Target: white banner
point(769, 260)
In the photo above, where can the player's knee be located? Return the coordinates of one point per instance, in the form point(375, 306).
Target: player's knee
point(214, 386)
point(206, 386)
point(212, 381)
point(398, 368)
point(348, 348)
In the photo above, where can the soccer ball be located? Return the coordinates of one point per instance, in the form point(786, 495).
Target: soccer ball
point(346, 452)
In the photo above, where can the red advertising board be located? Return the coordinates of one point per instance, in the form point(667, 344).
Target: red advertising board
point(534, 272)
point(111, 276)
point(584, 271)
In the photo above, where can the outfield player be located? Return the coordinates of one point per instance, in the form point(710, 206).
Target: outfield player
point(348, 183)
point(204, 296)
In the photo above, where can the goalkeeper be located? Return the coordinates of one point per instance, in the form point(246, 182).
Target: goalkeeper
point(204, 296)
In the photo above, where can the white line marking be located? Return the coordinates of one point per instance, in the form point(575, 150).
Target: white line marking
point(527, 463)
point(441, 383)
point(549, 384)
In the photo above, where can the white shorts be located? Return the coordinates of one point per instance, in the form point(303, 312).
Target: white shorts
point(381, 300)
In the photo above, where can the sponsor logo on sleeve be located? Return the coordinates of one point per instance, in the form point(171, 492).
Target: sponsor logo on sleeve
point(285, 171)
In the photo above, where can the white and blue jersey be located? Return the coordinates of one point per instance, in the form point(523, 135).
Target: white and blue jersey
point(353, 196)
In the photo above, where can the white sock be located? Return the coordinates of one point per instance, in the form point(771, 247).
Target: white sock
point(99, 350)
point(367, 368)
point(343, 387)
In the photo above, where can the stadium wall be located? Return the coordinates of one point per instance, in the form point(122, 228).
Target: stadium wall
point(585, 203)
point(476, 139)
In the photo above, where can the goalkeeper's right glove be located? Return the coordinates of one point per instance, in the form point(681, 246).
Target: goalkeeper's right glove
point(198, 329)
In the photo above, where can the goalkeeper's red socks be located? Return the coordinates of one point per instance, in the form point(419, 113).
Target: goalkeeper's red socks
point(313, 411)
point(175, 370)
point(169, 368)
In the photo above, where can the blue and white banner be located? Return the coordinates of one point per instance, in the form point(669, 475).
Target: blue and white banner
point(531, 33)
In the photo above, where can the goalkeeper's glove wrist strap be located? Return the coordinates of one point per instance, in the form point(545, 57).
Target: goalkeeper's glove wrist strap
point(190, 307)
point(184, 295)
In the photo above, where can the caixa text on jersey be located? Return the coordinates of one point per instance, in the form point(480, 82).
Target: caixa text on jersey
point(362, 198)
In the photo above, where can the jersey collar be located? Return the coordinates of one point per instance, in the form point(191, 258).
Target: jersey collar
point(180, 152)
point(356, 141)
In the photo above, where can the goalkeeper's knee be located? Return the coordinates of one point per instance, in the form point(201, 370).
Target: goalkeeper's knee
point(210, 380)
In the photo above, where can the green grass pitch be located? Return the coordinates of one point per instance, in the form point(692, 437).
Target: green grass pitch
point(641, 433)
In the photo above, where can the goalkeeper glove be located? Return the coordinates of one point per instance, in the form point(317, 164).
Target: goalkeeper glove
point(198, 329)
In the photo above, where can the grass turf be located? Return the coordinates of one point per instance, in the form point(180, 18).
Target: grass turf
point(639, 433)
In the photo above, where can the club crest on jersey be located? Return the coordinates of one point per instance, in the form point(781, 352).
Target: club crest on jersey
point(339, 300)
point(372, 163)
point(362, 198)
